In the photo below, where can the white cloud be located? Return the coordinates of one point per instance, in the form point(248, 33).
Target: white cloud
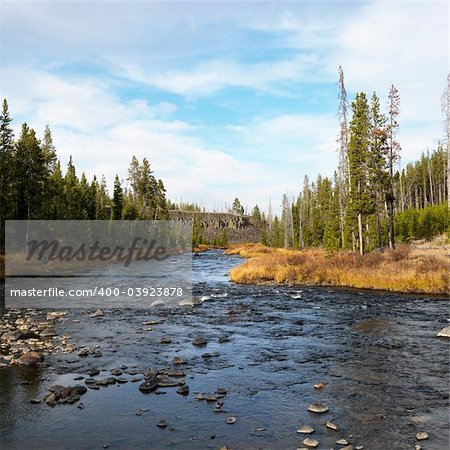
point(209, 77)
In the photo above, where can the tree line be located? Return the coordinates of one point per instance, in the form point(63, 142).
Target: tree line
point(369, 202)
point(34, 186)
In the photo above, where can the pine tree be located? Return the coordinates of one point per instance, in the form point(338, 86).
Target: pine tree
point(49, 150)
point(6, 161)
point(87, 200)
point(56, 203)
point(361, 202)
point(102, 204)
point(237, 208)
point(117, 203)
point(161, 205)
point(72, 193)
point(377, 163)
point(31, 175)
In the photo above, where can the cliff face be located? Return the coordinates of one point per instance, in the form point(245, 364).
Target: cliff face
point(239, 228)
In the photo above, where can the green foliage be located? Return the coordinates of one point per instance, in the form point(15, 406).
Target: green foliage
point(237, 208)
point(30, 176)
point(423, 223)
point(221, 240)
point(197, 231)
point(117, 203)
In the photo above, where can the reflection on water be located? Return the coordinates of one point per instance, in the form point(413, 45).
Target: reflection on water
point(386, 373)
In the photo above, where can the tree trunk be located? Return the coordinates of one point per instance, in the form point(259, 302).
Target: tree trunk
point(361, 237)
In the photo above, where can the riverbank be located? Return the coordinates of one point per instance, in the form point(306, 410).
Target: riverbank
point(421, 269)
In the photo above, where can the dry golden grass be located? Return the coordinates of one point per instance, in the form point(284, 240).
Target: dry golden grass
point(406, 269)
point(205, 247)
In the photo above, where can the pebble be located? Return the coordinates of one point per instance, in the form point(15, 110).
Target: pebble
point(165, 340)
point(97, 313)
point(177, 360)
point(445, 332)
point(35, 401)
point(162, 424)
point(319, 386)
point(48, 332)
point(331, 426)
point(231, 420)
point(199, 342)
point(305, 429)
point(309, 442)
point(318, 408)
point(421, 436)
point(341, 442)
point(183, 390)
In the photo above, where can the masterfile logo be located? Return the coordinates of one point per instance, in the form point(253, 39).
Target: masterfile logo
point(97, 263)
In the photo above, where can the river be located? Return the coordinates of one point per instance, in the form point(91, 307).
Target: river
point(385, 373)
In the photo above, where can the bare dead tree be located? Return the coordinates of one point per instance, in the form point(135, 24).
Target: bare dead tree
point(343, 169)
point(393, 157)
point(445, 102)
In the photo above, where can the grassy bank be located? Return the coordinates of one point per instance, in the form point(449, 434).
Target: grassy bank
point(408, 268)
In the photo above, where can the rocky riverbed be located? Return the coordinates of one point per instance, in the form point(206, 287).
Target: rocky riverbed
point(248, 367)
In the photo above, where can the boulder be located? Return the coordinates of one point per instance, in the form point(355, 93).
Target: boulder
point(11, 336)
point(30, 359)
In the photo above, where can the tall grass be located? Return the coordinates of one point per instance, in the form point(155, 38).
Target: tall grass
point(399, 270)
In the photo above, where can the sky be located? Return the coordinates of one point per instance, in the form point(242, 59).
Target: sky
point(225, 99)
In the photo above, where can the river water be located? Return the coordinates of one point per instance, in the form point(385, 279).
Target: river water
point(386, 374)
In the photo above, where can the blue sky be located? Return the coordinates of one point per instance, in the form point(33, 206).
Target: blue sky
point(225, 99)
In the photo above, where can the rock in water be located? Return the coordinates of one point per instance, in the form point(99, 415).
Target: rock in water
point(421, 436)
point(445, 332)
point(162, 424)
point(97, 313)
point(30, 359)
point(341, 442)
point(305, 430)
point(318, 408)
point(150, 385)
point(309, 442)
point(48, 332)
point(183, 390)
point(12, 336)
point(177, 360)
point(199, 342)
point(331, 426)
point(231, 420)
